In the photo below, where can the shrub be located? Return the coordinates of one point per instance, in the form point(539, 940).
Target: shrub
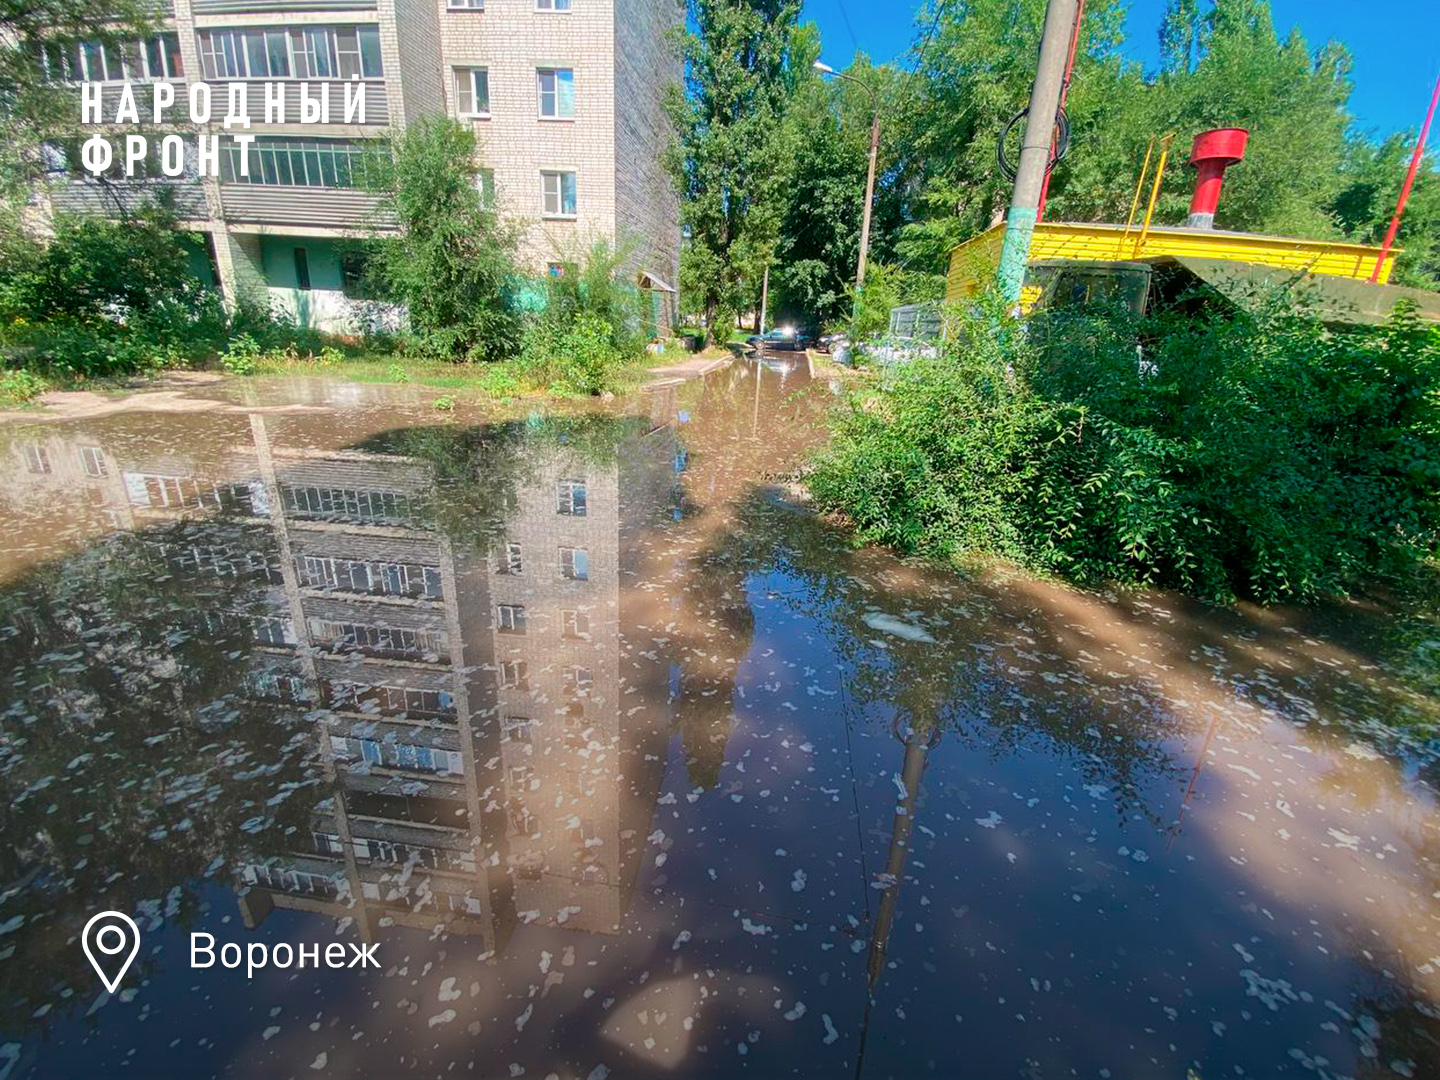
point(94, 270)
point(1248, 453)
point(18, 387)
point(888, 287)
point(450, 264)
point(242, 357)
point(589, 327)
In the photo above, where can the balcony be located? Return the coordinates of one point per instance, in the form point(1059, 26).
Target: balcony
point(377, 103)
point(250, 7)
point(78, 195)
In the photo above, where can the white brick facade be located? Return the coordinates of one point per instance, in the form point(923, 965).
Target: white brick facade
point(621, 62)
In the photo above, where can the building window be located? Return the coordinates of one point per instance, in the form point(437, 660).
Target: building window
point(514, 675)
point(510, 618)
point(376, 639)
point(557, 93)
point(312, 52)
point(557, 191)
point(282, 162)
point(93, 458)
point(37, 458)
point(555, 269)
point(517, 729)
point(156, 57)
point(571, 498)
point(485, 184)
point(510, 560)
point(390, 700)
point(356, 282)
point(349, 504)
point(574, 563)
point(574, 624)
point(578, 680)
point(465, 5)
point(375, 578)
point(552, 5)
point(302, 269)
point(472, 91)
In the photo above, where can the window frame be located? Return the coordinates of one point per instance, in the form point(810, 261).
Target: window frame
point(468, 73)
point(574, 563)
point(553, 7)
point(510, 619)
point(565, 502)
point(555, 74)
point(510, 558)
point(298, 155)
point(559, 213)
point(571, 628)
point(305, 47)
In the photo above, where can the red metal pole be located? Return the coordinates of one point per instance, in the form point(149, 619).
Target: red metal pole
point(1409, 183)
point(1064, 93)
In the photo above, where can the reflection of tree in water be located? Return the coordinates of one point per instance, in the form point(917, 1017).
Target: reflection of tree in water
point(1392, 1023)
point(479, 469)
point(132, 762)
point(715, 627)
point(959, 681)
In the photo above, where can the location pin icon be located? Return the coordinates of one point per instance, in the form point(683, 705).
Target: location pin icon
point(110, 940)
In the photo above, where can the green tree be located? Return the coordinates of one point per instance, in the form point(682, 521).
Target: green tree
point(450, 259)
point(975, 73)
point(820, 232)
point(33, 106)
point(93, 269)
point(731, 158)
point(1372, 175)
point(1223, 65)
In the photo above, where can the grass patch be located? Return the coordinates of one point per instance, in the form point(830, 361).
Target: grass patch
point(19, 387)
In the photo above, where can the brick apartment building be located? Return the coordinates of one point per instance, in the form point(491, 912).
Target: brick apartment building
point(565, 97)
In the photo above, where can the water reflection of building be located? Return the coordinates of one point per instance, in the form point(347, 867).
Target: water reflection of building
point(493, 742)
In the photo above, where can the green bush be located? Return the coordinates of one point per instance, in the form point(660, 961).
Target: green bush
point(888, 287)
point(18, 387)
point(102, 298)
point(94, 270)
point(590, 325)
point(1257, 454)
point(242, 357)
point(451, 261)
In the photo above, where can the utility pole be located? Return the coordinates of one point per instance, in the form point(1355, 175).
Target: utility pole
point(1035, 147)
point(826, 69)
point(869, 193)
point(764, 296)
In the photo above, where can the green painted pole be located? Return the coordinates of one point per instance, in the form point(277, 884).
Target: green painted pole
point(1035, 147)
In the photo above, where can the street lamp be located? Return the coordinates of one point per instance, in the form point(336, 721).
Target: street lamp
point(826, 69)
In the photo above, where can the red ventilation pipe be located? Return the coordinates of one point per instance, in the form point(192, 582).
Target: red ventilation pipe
point(1212, 153)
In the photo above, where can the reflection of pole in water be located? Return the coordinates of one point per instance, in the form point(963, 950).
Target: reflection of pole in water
point(759, 374)
point(1194, 776)
point(917, 753)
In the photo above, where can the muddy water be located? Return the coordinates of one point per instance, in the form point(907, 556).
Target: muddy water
point(626, 765)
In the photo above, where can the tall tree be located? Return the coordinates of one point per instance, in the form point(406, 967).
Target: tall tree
point(34, 106)
point(731, 160)
point(1180, 31)
point(1371, 177)
point(1223, 65)
point(820, 232)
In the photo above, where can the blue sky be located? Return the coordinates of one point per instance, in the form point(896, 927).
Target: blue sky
point(1395, 43)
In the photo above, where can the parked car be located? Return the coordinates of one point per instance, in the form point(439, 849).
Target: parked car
point(782, 337)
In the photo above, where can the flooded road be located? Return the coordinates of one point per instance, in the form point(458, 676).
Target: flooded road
point(627, 765)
